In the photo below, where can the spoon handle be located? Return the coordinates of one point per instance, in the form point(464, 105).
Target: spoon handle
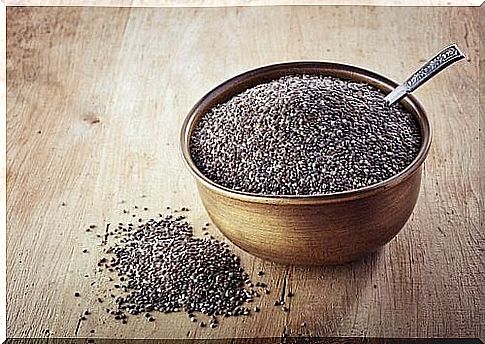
point(436, 64)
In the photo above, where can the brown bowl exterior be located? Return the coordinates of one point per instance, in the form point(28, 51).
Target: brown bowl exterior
point(314, 233)
point(317, 229)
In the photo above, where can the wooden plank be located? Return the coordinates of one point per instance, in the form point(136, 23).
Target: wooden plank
point(95, 100)
point(219, 3)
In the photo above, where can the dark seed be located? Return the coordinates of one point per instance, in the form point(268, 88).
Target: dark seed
point(162, 267)
point(76, 294)
point(325, 135)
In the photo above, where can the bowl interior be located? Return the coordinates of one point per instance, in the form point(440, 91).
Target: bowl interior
point(242, 82)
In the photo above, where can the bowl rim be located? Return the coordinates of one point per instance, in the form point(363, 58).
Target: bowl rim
point(226, 89)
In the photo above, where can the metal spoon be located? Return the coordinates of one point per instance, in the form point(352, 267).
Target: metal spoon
point(436, 64)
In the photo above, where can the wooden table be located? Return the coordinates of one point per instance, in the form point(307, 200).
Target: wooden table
point(95, 100)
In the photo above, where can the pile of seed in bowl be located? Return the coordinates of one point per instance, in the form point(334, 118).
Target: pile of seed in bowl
point(158, 265)
point(304, 135)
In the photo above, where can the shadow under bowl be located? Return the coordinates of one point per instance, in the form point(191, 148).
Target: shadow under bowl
point(315, 229)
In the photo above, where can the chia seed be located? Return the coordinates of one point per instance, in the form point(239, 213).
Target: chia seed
point(164, 268)
point(304, 135)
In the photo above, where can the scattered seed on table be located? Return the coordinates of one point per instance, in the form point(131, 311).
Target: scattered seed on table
point(202, 324)
point(85, 250)
point(304, 135)
point(76, 294)
point(165, 268)
point(92, 226)
point(285, 309)
point(260, 273)
point(83, 318)
point(290, 294)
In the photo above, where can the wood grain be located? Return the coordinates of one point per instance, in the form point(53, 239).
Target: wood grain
point(217, 3)
point(95, 101)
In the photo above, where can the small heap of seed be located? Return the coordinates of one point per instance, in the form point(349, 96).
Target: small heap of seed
point(163, 267)
point(304, 135)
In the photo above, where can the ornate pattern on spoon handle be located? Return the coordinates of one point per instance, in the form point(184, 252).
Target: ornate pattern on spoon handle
point(435, 65)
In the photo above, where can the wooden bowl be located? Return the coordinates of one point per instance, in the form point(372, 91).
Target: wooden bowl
point(318, 229)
